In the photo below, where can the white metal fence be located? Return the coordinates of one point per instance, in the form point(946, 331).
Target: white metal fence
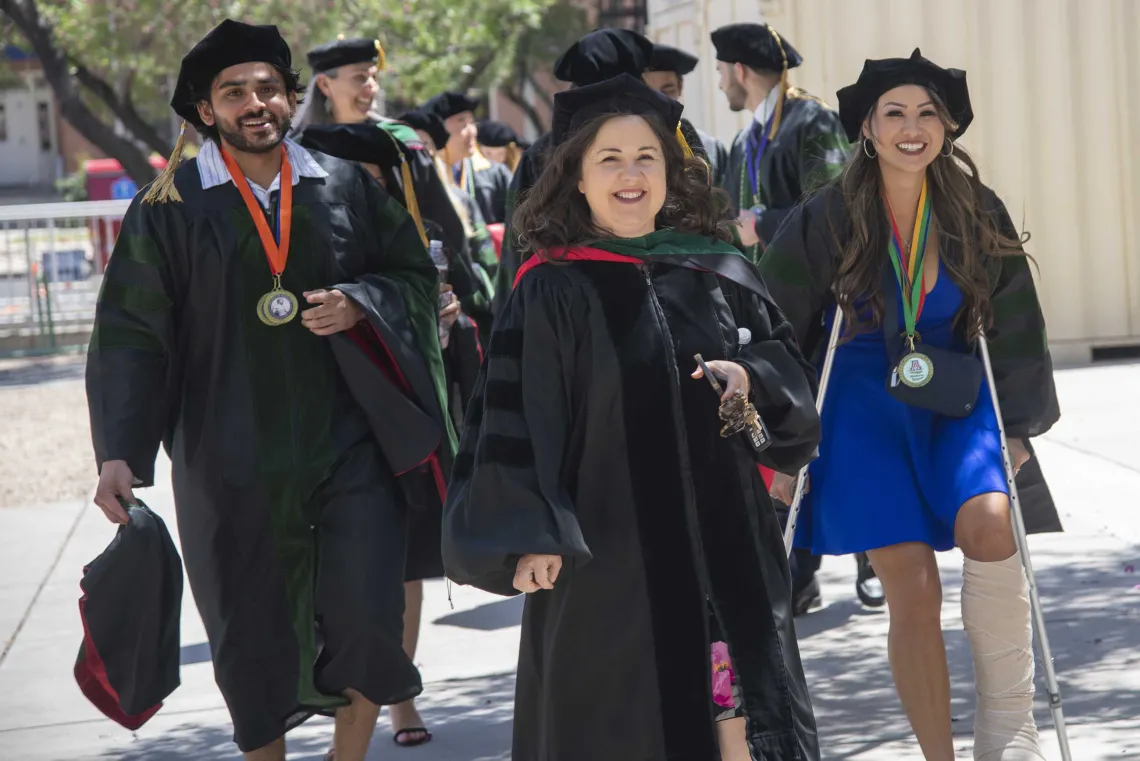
point(52, 258)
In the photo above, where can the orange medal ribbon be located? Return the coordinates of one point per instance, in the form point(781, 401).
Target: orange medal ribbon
point(278, 306)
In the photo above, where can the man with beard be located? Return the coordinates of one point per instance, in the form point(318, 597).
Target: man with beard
point(794, 144)
point(666, 75)
point(270, 317)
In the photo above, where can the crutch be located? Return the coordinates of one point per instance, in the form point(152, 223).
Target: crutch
point(1023, 544)
point(825, 376)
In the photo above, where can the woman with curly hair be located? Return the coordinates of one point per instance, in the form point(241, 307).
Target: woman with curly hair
point(600, 474)
point(922, 258)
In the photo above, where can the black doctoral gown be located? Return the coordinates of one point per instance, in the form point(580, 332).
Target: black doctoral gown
point(256, 418)
point(488, 184)
point(799, 268)
point(591, 441)
point(810, 149)
point(525, 176)
point(715, 153)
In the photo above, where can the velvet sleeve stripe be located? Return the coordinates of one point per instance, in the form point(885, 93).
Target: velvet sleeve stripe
point(506, 343)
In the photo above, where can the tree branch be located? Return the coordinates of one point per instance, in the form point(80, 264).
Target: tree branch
point(525, 106)
point(38, 33)
point(123, 107)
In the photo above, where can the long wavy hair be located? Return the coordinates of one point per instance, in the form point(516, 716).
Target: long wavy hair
point(970, 235)
point(554, 215)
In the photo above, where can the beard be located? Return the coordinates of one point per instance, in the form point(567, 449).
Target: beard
point(737, 96)
point(243, 140)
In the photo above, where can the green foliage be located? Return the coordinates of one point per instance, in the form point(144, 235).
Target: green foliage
point(432, 45)
point(73, 187)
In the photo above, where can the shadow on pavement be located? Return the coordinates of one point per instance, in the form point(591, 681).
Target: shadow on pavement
point(1092, 612)
point(488, 618)
point(33, 372)
point(470, 720)
point(196, 653)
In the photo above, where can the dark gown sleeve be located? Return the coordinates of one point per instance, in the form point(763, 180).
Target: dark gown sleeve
point(510, 259)
point(399, 293)
point(508, 495)
point(797, 268)
point(130, 359)
point(1019, 345)
point(822, 151)
point(784, 384)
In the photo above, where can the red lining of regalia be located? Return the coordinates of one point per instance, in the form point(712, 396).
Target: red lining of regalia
point(366, 338)
point(91, 675)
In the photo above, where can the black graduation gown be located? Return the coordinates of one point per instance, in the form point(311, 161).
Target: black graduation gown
point(799, 268)
point(810, 149)
point(525, 176)
point(716, 153)
point(489, 187)
point(268, 426)
point(591, 442)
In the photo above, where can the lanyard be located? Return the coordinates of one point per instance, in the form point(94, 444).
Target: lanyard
point(276, 249)
point(909, 272)
point(752, 163)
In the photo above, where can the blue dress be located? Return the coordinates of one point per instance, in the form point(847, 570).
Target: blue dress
point(888, 472)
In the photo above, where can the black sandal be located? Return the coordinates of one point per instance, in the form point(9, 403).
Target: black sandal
point(412, 731)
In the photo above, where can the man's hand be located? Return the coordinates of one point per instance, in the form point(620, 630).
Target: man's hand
point(746, 224)
point(334, 312)
point(115, 480)
point(535, 572)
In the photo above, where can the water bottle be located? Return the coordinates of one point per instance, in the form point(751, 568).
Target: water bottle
point(435, 249)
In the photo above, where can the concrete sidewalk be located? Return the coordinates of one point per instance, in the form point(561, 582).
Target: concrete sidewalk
point(1087, 578)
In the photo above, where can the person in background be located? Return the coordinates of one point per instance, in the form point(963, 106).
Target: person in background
point(666, 74)
point(485, 181)
point(259, 349)
point(499, 143)
point(484, 258)
point(596, 57)
point(344, 91)
point(794, 145)
point(596, 473)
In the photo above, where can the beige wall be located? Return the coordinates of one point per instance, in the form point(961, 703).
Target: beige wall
point(1056, 129)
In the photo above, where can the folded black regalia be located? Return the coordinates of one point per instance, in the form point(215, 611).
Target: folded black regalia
point(131, 609)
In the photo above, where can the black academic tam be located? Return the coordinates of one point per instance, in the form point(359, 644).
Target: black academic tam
point(131, 612)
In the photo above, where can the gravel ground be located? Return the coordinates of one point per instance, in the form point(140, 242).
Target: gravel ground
point(45, 439)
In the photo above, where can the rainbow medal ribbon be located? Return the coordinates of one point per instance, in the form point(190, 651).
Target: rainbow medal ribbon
point(915, 369)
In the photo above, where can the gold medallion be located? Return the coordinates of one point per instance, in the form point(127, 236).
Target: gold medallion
point(277, 307)
point(915, 370)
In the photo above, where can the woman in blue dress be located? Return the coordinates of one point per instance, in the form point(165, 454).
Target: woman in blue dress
point(910, 239)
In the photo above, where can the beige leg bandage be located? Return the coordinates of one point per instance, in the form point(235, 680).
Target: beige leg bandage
point(997, 619)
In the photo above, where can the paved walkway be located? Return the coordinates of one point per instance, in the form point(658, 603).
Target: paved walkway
point(1088, 584)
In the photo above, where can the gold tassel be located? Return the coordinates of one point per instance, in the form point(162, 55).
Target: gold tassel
point(410, 199)
point(783, 84)
point(381, 59)
point(684, 143)
point(162, 190)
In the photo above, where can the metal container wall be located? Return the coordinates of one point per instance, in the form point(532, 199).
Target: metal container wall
point(1057, 126)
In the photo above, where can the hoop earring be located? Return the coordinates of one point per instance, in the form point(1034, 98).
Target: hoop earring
point(949, 153)
point(867, 144)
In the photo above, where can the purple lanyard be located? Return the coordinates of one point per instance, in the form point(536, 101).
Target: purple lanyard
point(753, 163)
